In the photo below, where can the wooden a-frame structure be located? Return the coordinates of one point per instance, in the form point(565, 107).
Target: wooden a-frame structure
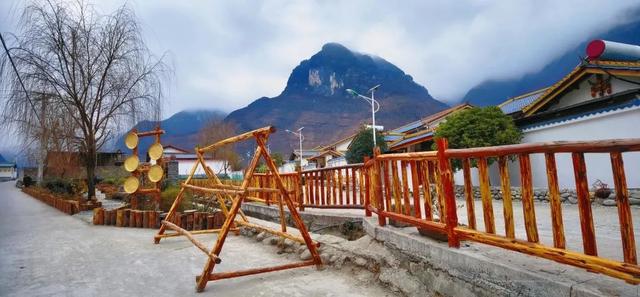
point(237, 195)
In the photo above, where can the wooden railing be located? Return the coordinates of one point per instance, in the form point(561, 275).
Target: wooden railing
point(334, 187)
point(261, 180)
point(396, 196)
point(406, 189)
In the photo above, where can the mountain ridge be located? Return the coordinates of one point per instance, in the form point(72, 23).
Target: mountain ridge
point(315, 98)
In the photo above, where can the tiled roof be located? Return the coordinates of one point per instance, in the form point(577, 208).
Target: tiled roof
point(411, 139)
point(635, 103)
point(581, 69)
point(516, 104)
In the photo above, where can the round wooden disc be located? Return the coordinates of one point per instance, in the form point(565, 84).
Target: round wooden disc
point(155, 173)
point(155, 151)
point(131, 163)
point(131, 184)
point(131, 140)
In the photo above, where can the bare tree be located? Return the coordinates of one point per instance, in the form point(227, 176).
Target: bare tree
point(92, 69)
point(216, 130)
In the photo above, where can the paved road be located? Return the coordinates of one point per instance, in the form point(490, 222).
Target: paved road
point(44, 252)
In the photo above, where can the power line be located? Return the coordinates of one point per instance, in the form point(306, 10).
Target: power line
point(19, 78)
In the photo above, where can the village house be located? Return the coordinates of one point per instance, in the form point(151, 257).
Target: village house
point(185, 161)
point(599, 99)
point(8, 170)
point(418, 136)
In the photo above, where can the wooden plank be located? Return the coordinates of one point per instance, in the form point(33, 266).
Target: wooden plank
point(554, 201)
point(237, 138)
point(367, 192)
point(505, 183)
point(426, 189)
point(354, 199)
point(468, 193)
point(600, 146)
point(342, 202)
point(323, 191)
point(198, 244)
point(527, 198)
point(449, 195)
point(485, 194)
point(396, 187)
point(415, 184)
point(405, 188)
point(387, 184)
point(584, 205)
point(608, 267)
point(224, 275)
point(624, 211)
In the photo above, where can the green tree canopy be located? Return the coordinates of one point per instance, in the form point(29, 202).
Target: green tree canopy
point(478, 127)
point(362, 145)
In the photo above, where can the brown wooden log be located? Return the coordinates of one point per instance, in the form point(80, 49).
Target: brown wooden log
point(485, 194)
point(354, 196)
point(367, 192)
point(244, 136)
point(429, 155)
point(527, 198)
point(554, 201)
point(612, 268)
point(415, 185)
point(584, 205)
point(348, 206)
point(446, 177)
point(396, 188)
point(145, 219)
point(624, 211)
point(189, 219)
point(119, 217)
point(323, 191)
point(600, 146)
point(426, 189)
point(198, 244)
point(139, 219)
point(98, 216)
point(468, 193)
point(405, 188)
point(125, 217)
point(224, 275)
point(342, 202)
point(388, 187)
point(505, 183)
point(197, 222)
point(347, 188)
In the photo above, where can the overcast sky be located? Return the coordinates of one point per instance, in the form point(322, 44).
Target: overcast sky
point(228, 53)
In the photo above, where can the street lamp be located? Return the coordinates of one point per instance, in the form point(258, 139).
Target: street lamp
point(299, 134)
point(375, 106)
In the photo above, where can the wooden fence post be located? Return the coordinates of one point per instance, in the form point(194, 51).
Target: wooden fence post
point(446, 178)
point(364, 180)
point(300, 188)
point(377, 186)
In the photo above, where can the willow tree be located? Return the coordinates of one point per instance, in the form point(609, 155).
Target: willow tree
point(90, 68)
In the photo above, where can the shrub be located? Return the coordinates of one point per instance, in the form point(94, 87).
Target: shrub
point(27, 181)
point(62, 186)
point(169, 194)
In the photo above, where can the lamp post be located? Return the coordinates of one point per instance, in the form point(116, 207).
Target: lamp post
point(375, 106)
point(299, 134)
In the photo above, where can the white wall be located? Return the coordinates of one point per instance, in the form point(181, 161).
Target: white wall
point(8, 173)
point(184, 166)
point(616, 124)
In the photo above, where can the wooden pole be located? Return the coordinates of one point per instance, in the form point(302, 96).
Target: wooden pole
point(198, 244)
point(446, 177)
